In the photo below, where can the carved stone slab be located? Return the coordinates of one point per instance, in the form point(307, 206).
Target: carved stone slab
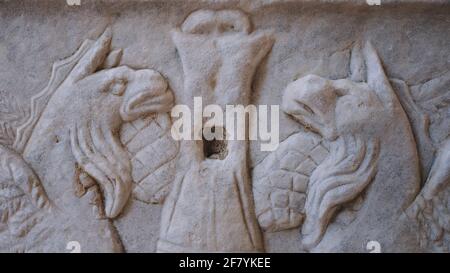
point(89, 160)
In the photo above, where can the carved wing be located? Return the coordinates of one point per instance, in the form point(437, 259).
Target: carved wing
point(427, 106)
point(280, 181)
point(431, 209)
point(432, 99)
point(153, 152)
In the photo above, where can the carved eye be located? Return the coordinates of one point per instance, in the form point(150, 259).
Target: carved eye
point(226, 27)
point(305, 107)
point(340, 92)
point(118, 87)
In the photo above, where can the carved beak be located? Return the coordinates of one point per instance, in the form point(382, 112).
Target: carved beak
point(304, 114)
point(309, 100)
point(146, 93)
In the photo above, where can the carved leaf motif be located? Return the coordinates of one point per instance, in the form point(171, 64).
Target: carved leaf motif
point(280, 181)
point(21, 194)
point(433, 99)
point(431, 209)
point(427, 106)
point(12, 115)
point(420, 123)
point(434, 93)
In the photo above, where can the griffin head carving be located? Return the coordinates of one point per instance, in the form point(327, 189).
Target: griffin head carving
point(112, 96)
point(352, 120)
point(95, 98)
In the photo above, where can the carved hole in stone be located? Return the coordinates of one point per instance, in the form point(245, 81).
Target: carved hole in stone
point(215, 148)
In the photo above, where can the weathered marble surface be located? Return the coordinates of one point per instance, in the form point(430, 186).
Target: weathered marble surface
point(86, 152)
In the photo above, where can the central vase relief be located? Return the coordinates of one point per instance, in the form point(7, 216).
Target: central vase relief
point(210, 207)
